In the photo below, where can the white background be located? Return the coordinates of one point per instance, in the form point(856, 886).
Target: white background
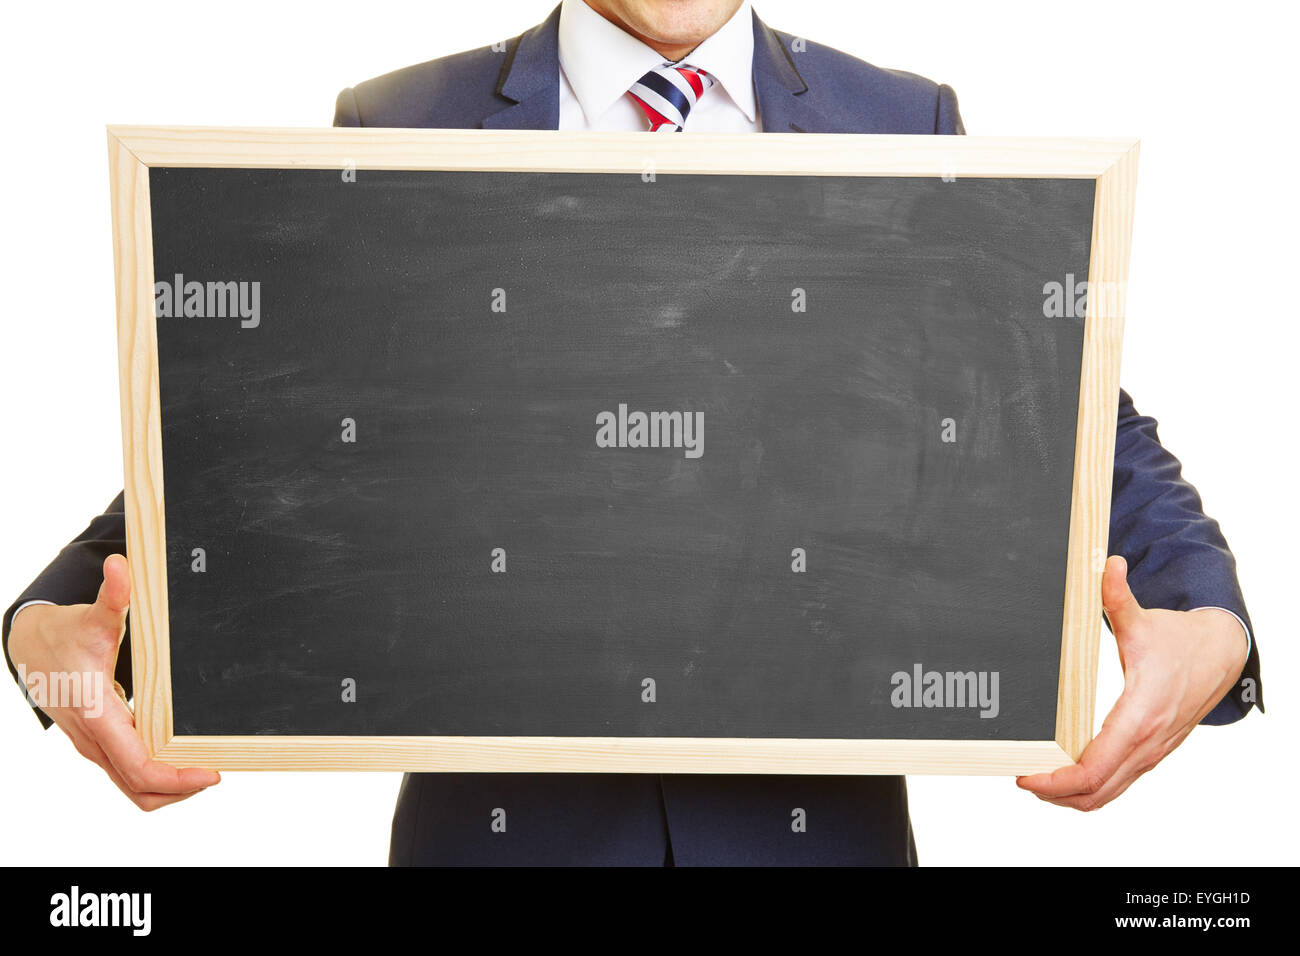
point(1209, 350)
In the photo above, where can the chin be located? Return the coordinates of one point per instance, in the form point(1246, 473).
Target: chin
point(679, 22)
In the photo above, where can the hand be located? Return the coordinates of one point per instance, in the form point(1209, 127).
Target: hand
point(1177, 666)
point(83, 639)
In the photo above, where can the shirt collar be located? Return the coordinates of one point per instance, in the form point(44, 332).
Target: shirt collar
point(601, 61)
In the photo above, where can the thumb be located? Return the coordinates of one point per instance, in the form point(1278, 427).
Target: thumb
point(114, 598)
point(1117, 600)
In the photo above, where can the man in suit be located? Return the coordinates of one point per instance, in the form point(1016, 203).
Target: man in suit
point(1169, 589)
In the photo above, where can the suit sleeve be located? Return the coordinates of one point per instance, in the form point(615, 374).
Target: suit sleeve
point(73, 577)
point(346, 112)
point(1177, 556)
point(947, 119)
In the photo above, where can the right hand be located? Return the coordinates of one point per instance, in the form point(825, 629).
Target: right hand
point(84, 639)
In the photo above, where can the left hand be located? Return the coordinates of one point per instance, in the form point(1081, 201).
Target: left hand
point(1177, 666)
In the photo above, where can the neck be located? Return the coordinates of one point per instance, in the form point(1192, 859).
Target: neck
point(672, 52)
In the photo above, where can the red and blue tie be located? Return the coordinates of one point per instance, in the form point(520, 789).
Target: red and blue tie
point(667, 93)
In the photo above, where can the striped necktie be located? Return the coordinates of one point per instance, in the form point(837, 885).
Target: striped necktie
point(667, 93)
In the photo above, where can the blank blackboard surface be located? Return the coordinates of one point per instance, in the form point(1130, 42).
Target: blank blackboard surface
point(475, 429)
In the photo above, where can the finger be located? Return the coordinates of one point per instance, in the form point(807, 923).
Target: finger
point(1139, 762)
point(114, 731)
point(114, 598)
point(1100, 760)
point(88, 748)
point(149, 802)
point(1117, 600)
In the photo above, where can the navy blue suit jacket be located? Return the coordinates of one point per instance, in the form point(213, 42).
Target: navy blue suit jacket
point(1177, 557)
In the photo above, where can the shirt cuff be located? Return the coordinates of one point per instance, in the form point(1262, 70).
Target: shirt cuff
point(19, 609)
point(9, 660)
point(1249, 642)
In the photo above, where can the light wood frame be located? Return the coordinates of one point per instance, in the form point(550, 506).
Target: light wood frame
point(1112, 164)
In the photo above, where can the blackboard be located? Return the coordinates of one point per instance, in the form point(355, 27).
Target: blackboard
point(535, 453)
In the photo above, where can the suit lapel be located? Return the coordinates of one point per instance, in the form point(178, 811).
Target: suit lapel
point(783, 106)
point(531, 77)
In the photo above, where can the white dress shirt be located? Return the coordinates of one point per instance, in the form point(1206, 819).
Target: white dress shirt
point(599, 62)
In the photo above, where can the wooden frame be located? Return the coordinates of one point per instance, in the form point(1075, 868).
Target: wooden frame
point(133, 150)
